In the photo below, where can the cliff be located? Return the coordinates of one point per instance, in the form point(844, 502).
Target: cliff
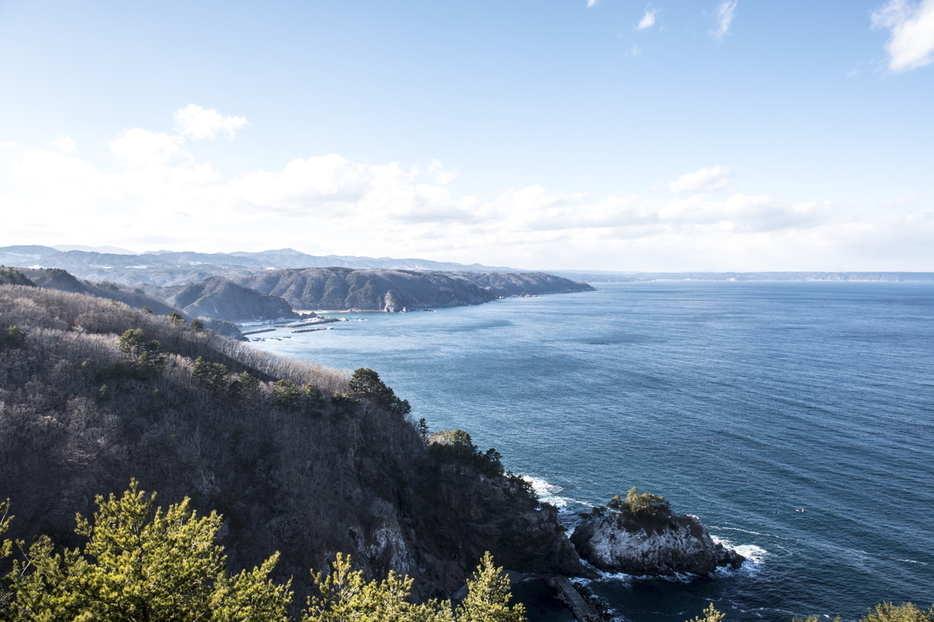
point(168, 268)
point(293, 459)
point(397, 290)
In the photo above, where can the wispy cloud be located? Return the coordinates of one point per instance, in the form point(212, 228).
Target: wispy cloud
point(911, 44)
point(702, 180)
point(591, 3)
point(196, 122)
point(725, 13)
point(648, 20)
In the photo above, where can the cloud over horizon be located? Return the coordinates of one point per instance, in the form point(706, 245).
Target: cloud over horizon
point(160, 196)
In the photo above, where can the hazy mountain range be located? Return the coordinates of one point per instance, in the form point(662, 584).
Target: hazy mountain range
point(176, 268)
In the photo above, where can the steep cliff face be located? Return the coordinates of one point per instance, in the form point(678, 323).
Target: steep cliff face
point(661, 544)
point(397, 290)
point(295, 467)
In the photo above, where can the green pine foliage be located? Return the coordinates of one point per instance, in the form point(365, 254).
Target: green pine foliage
point(211, 376)
point(143, 564)
point(907, 612)
point(488, 596)
point(344, 594)
point(140, 563)
point(366, 380)
point(710, 614)
point(456, 446)
point(635, 505)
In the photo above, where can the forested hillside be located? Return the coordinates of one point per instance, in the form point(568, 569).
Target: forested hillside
point(296, 458)
point(395, 290)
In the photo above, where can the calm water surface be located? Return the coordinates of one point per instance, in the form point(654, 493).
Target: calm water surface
point(796, 419)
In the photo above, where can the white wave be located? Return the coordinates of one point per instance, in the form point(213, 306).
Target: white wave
point(542, 487)
point(752, 533)
point(548, 492)
point(752, 553)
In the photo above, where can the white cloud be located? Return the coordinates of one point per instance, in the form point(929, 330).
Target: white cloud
point(702, 180)
point(139, 147)
point(8, 145)
point(329, 204)
point(912, 28)
point(648, 20)
point(725, 13)
point(197, 122)
point(64, 144)
point(591, 3)
point(442, 176)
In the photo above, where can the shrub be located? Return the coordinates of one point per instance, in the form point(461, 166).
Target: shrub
point(343, 402)
point(643, 503)
point(710, 614)
point(314, 398)
point(457, 446)
point(147, 356)
point(907, 612)
point(244, 387)
point(13, 338)
point(211, 376)
point(286, 394)
point(635, 504)
point(366, 380)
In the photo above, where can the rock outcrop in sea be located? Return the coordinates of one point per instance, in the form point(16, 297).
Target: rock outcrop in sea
point(658, 544)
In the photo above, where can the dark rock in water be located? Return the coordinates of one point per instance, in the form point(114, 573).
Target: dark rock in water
point(659, 544)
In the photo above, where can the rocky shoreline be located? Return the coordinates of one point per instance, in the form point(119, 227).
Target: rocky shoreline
point(661, 544)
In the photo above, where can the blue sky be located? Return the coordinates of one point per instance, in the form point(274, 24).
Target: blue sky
point(614, 135)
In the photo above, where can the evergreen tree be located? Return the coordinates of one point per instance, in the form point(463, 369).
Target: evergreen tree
point(343, 594)
point(211, 376)
point(710, 613)
point(488, 596)
point(144, 565)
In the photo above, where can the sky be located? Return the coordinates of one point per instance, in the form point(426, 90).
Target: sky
point(624, 135)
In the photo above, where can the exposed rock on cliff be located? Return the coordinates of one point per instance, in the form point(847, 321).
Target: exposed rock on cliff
point(659, 544)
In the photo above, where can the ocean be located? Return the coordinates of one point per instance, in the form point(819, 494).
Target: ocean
point(796, 419)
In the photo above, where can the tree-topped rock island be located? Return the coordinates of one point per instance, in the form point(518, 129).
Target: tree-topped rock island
point(640, 535)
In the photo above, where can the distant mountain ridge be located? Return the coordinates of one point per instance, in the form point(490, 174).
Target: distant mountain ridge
point(167, 268)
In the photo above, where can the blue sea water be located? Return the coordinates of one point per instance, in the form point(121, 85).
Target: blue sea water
point(796, 419)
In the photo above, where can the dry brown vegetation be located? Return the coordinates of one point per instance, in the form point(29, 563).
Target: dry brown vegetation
point(293, 459)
